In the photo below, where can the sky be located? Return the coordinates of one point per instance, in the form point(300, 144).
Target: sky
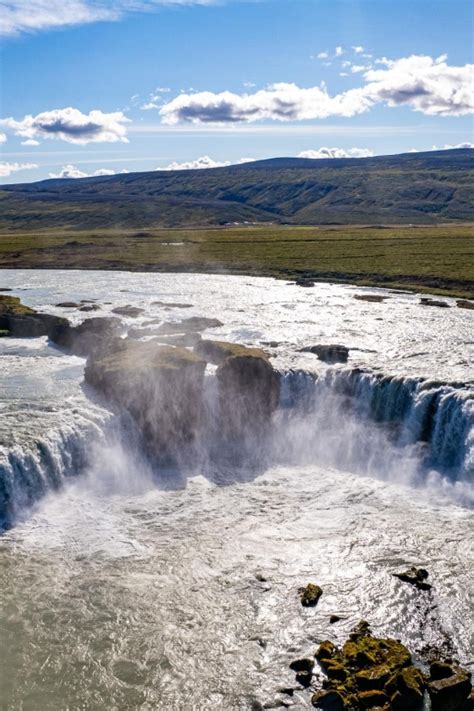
point(95, 87)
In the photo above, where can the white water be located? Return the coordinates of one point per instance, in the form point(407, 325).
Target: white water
point(131, 589)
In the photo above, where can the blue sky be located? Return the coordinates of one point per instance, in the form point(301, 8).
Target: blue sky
point(95, 86)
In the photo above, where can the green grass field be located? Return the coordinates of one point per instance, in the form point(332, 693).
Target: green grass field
point(435, 259)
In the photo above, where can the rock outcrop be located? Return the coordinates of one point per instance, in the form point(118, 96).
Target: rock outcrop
point(328, 354)
point(21, 321)
point(249, 389)
point(416, 577)
point(310, 595)
point(368, 672)
point(372, 298)
point(188, 325)
point(160, 387)
point(94, 335)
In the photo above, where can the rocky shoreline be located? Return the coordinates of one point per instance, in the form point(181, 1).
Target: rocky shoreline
point(379, 673)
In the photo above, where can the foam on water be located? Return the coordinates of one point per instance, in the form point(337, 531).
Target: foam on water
point(128, 588)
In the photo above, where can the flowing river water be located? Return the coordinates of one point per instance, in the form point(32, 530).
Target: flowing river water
point(127, 588)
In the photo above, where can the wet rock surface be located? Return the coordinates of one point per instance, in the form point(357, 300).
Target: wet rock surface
point(94, 335)
point(310, 595)
point(328, 354)
point(465, 304)
point(194, 323)
point(425, 301)
point(129, 311)
point(416, 577)
point(21, 321)
point(160, 387)
point(372, 298)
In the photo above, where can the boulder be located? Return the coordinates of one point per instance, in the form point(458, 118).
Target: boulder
point(304, 282)
point(416, 577)
point(310, 595)
point(249, 393)
point(130, 311)
point(328, 354)
point(217, 352)
point(94, 335)
point(368, 672)
point(328, 700)
point(172, 305)
point(434, 302)
point(23, 322)
point(90, 307)
point(465, 304)
point(187, 325)
point(372, 298)
point(451, 692)
point(161, 389)
point(67, 305)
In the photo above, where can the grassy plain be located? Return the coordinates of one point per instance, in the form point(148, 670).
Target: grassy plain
point(435, 259)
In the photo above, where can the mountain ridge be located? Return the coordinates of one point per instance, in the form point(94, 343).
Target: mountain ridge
point(425, 187)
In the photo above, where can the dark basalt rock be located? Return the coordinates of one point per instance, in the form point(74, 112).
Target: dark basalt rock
point(372, 298)
point(90, 307)
point(130, 311)
point(249, 392)
point(304, 282)
point(333, 619)
point(434, 302)
point(94, 335)
point(465, 304)
point(310, 595)
point(23, 322)
point(160, 387)
point(172, 305)
point(368, 672)
point(415, 576)
point(451, 693)
point(302, 665)
point(217, 352)
point(67, 305)
point(328, 354)
point(187, 325)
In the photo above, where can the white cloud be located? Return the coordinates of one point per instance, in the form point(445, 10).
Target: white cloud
point(421, 83)
point(322, 55)
point(358, 50)
point(336, 153)
point(7, 169)
point(30, 142)
point(357, 68)
point(339, 51)
point(202, 163)
point(425, 84)
point(466, 144)
point(19, 16)
point(71, 171)
point(3, 137)
point(71, 125)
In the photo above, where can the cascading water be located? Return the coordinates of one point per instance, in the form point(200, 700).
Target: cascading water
point(400, 429)
point(28, 474)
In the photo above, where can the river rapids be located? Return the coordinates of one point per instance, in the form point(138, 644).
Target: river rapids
point(127, 587)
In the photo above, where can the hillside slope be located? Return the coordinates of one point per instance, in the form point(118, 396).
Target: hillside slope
point(409, 188)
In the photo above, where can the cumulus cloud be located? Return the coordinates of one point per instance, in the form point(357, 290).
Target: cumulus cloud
point(202, 163)
point(3, 137)
point(421, 83)
point(322, 55)
point(71, 171)
point(7, 169)
point(425, 84)
point(30, 142)
point(279, 102)
point(71, 125)
point(358, 49)
point(336, 153)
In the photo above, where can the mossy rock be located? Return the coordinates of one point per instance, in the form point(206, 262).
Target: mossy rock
point(310, 595)
point(216, 352)
point(12, 305)
point(4, 332)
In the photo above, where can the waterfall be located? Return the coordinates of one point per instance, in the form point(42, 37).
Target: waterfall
point(29, 473)
point(433, 421)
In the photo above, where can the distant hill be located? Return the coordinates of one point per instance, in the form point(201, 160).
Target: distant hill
point(417, 188)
